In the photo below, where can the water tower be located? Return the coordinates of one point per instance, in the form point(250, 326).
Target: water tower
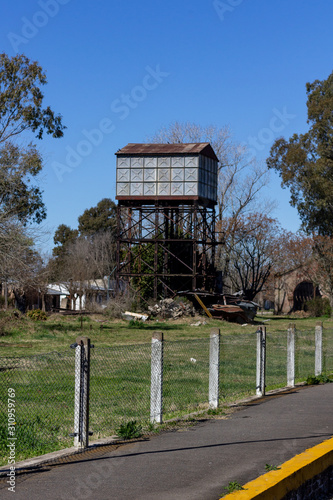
point(166, 217)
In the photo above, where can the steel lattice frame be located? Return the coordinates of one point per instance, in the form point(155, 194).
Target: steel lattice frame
point(167, 247)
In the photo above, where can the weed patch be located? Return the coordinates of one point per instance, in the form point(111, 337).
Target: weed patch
point(319, 379)
point(269, 467)
point(130, 430)
point(233, 486)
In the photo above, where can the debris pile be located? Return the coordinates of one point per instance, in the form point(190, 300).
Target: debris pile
point(127, 315)
point(170, 308)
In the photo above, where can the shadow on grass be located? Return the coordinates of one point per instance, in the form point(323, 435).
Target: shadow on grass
point(47, 328)
point(155, 326)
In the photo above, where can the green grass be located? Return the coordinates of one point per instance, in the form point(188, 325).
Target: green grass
point(233, 486)
point(21, 335)
point(36, 360)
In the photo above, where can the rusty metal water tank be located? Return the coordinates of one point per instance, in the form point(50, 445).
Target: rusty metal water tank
point(176, 172)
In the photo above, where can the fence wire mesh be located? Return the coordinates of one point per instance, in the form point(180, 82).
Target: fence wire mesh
point(119, 387)
point(185, 376)
point(237, 366)
point(327, 351)
point(304, 354)
point(276, 360)
point(44, 389)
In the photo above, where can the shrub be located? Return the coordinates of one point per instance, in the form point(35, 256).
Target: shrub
point(319, 379)
point(119, 304)
point(37, 315)
point(318, 307)
point(8, 319)
point(135, 323)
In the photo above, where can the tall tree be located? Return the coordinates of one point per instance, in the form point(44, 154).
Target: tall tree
point(21, 112)
point(19, 197)
point(63, 236)
point(321, 270)
point(305, 161)
point(101, 218)
point(91, 246)
point(20, 263)
point(252, 253)
point(21, 100)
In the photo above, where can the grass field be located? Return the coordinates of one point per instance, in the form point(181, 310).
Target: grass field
point(37, 362)
point(21, 336)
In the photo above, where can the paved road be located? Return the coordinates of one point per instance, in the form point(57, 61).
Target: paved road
point(196, 463)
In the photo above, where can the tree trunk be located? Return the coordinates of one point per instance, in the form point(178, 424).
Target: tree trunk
point(6, 295)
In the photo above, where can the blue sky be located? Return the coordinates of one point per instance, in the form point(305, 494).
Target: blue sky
point(231, 62)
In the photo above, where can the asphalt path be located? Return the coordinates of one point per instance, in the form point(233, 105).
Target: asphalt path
point(195, 463)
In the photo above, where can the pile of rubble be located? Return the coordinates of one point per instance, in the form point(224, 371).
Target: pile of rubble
point(169, 308)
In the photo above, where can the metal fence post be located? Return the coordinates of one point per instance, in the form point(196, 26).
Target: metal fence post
point(156, 388)
point(291, 355)
point(214, 367)
point(261, 361)
point(318, 348)
point(81, 400)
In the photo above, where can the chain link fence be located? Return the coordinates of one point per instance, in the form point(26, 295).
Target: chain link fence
point(304, 354)
point(327, 351)
point(276, 355)
point(119, 387)
point(237, 366)
point(46, 386)
point(185, 376)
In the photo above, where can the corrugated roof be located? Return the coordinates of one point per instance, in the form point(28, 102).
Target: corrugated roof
point(168, 149)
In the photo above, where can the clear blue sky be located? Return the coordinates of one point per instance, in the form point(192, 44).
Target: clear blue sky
point(231, 62)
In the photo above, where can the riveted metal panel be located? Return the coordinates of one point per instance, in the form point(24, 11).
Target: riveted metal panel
point(164, 162)
point(137, 162)
point(136, 174)
point(150, 162)
point(149, 175)
point(177, 162)
point(123, 175)
point(191, 162)
point(123, 189)
point(164, 189)
point(177, 188)
point(123, 162)
point(191, 174)
point(191, 188)
point(177, 174)
point(149, 189)
point(136, 189)
point(164, 174)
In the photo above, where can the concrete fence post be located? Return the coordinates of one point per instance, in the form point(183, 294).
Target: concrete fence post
point(291, 355)
point(261, 361)
point(318, 348)
point(81, 399)
point(156, 388)
point(214, 367)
